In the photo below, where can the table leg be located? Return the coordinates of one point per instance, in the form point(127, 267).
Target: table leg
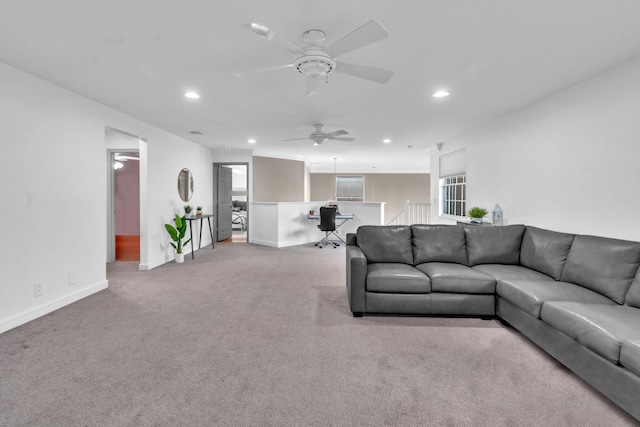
point(191, 234)
point(200, 238)
point(335, 231)
point(211, 232)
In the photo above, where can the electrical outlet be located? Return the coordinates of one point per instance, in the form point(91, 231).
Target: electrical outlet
point(72, 278)
point(37, 289)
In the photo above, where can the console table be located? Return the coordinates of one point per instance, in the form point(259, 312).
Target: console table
point(199, 217)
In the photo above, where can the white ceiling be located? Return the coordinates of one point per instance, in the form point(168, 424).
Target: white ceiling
point(494, 56)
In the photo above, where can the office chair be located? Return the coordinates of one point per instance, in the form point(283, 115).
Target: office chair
point(328, 225)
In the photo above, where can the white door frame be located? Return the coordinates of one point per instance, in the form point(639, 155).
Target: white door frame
point(141, 149)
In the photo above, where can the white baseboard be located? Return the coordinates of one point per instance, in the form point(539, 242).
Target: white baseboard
point(282, 244)
point(48, 307)
point(264, 243)
point(293, 243)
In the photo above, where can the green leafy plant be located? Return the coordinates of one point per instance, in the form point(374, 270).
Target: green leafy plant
point(177, 233)
point(187, 208)
point(477, 212)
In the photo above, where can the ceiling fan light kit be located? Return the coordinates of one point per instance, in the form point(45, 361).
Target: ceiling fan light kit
point(315, 61)
point(315, 65)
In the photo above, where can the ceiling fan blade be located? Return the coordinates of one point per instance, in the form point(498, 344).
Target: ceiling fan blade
point(296, 139)
point(313, 85)
point(375, 74)
point(266, 33)
point(341, 138)
point(125, 158)
point(337, 132)
point(369, 33)
point(262, 70)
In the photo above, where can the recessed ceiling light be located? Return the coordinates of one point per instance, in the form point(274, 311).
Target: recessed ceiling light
point(441, 94)
point(195, 132)
point(251, 141)
point(192, 95)
point(386, 141)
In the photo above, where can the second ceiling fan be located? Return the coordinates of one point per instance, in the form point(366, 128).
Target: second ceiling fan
point(318, 136)
point(316, 62)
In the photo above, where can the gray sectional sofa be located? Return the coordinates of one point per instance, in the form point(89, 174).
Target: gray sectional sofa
point(576, 296)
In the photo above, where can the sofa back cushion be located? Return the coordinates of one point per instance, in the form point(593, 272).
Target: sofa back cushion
point(545, 251)
point(603, 265)
point(386, 243)
point(438, 243)
point(633, 296)
point(493, 245)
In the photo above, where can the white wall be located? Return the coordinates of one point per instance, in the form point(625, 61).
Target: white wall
point(568, 163)
point(167, 155)
point(55, 204)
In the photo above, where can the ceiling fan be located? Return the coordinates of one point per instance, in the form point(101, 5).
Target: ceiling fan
point(317, 62)
point(318, 136)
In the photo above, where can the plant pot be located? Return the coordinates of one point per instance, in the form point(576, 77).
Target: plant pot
point(476, 220)
point(179, 258)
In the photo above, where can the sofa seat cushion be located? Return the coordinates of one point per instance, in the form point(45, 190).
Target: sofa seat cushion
point(503, 272)
point(396, 278)
point(630, 355)
point(599, 327)
point(530, 295)
point(457, 278)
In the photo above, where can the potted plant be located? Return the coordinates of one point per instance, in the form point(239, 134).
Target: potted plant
point(177, 234)
point(187, 210)
point(199, 211)
point(476, 214)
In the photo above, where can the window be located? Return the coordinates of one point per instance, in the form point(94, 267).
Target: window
point(453, 192)
point(350, 188)
point(453, 183)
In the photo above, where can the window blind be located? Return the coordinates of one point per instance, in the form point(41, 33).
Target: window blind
point(453, 164)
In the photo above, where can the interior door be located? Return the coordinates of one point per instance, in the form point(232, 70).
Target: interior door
point(224, 202)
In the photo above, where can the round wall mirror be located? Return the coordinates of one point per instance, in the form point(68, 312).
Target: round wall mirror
point(185, 184)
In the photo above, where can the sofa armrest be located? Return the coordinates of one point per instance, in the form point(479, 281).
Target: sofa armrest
point(356, 277)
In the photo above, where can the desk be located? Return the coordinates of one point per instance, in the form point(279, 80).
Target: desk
point(200, 217)
point(343, 217)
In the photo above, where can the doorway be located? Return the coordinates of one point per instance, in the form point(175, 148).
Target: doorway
point(126, 190)
point(239, 201)
point(123, 230)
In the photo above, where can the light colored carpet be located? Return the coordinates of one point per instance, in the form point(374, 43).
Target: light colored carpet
point(253, 336)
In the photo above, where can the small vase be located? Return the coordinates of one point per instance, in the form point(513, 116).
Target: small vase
point(476, 220)
point(179, 258)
